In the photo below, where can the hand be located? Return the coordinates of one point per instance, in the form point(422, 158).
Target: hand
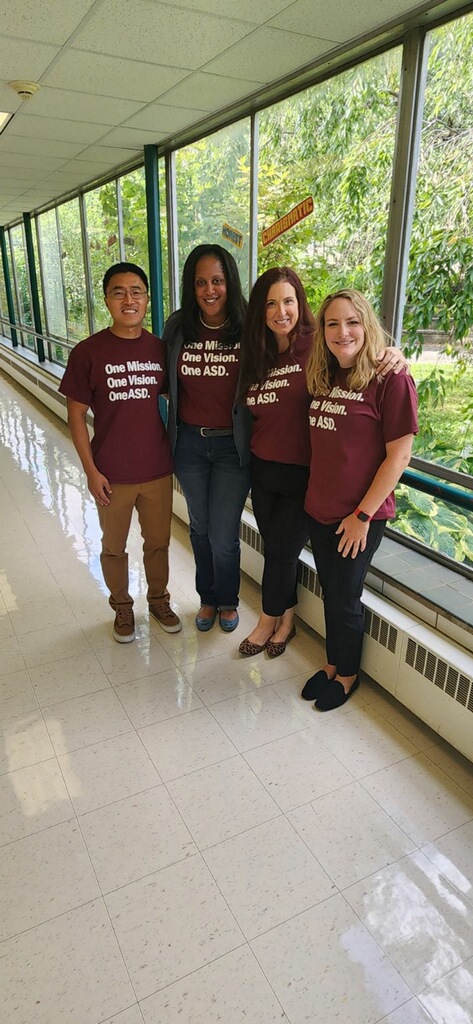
point(99, 487)
point(390, 359)
point(353, 536)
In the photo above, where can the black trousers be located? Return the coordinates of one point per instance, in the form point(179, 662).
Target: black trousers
point(342, 582)
point(278, 493)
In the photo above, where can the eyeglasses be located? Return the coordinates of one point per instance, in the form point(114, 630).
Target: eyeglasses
point(121, 293)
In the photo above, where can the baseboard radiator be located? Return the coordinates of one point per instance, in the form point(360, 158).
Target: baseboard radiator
point(422, 669)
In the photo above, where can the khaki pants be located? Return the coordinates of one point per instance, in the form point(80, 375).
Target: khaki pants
point(153, 502)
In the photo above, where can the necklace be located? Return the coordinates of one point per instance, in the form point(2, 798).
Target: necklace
point(209, 326)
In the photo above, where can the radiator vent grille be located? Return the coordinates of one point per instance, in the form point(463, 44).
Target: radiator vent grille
point(381, 631)
point(307, 577)
point(445, 676)
point(251, 537)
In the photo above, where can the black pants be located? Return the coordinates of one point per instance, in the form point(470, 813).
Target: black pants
point(278, 493)
point(342, 582)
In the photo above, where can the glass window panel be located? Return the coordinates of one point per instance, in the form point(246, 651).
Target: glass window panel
point(438, 524)
point(5, 330)
point(213, 194)
point(135, 237)
point(134, 223)
point(21, 275)
point(12, 274)
point(53, 290)
point(438, 314)
point(164, 234)
point(39, 282)
point(103, 241)
point(335, 143)
point(72, 259)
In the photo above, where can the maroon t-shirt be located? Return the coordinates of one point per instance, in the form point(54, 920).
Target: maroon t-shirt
point(348, 432)
point(207, 373)
point(279, 406)
point(120, 379)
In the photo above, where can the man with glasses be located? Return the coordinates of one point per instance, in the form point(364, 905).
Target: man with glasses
point(119, 373)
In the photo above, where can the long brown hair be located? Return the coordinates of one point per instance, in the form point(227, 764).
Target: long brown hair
point(259, 349)
point(322, 365)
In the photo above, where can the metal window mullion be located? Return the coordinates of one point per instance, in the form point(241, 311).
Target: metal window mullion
point(63, 283)
point(121, 239)
point(8, 288)
point(406, 156)
point(47, 331)
point(33, 282)
point(154, 238)
point(254, 167)
point(171, 217)
point(15, 292)
point(86, 262)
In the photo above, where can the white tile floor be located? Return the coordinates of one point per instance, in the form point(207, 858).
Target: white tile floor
point(185, 841)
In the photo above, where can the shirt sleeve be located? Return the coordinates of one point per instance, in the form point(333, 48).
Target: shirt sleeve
point(75, 383)
point(399, 406)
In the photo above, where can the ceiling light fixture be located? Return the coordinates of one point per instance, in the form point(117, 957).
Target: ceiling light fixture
point(4, 120)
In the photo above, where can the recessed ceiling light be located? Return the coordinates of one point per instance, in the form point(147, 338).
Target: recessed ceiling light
point(4, 119)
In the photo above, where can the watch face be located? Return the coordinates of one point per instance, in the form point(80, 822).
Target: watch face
point(363, 516)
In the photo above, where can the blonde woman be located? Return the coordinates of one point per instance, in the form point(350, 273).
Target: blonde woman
point(361, 430)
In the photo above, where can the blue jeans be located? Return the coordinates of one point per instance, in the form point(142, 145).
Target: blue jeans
point(215, 488)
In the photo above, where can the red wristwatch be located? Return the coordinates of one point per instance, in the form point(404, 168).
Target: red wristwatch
point(362, 516)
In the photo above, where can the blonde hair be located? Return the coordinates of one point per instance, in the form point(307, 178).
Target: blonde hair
point(322, 365)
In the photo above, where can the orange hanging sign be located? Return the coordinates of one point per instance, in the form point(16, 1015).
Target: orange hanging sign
point(295, 215)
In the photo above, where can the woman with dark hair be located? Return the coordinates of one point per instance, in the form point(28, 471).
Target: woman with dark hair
point(275, 345)
point(209, 434)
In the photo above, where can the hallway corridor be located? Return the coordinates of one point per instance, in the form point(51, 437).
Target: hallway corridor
point(183, 839)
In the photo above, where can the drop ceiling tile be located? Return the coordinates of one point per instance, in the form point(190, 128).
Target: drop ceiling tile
point(8, 101)
point(61, 131)
point(34, 19)
point(131, 138)
point(208, 92)
point(20, 58)
point(43, 147)
point(31, 161)
point(7, 214)
point(37, 197)
point(267, 55)
point(158, 33)
point(339, 20)
point(112, 76)
point(79, 173)
point(165, 119)
point(11, 175)
point(104, 153)
point(80, 106)
point(247, 10)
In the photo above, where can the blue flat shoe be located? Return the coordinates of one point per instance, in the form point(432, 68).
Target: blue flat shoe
point(228, 625)
point(205, 622)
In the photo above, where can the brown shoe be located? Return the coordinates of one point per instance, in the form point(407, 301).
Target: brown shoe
point(163, 613)
point(248, 649)
point(124, 625)
point(275, 649)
